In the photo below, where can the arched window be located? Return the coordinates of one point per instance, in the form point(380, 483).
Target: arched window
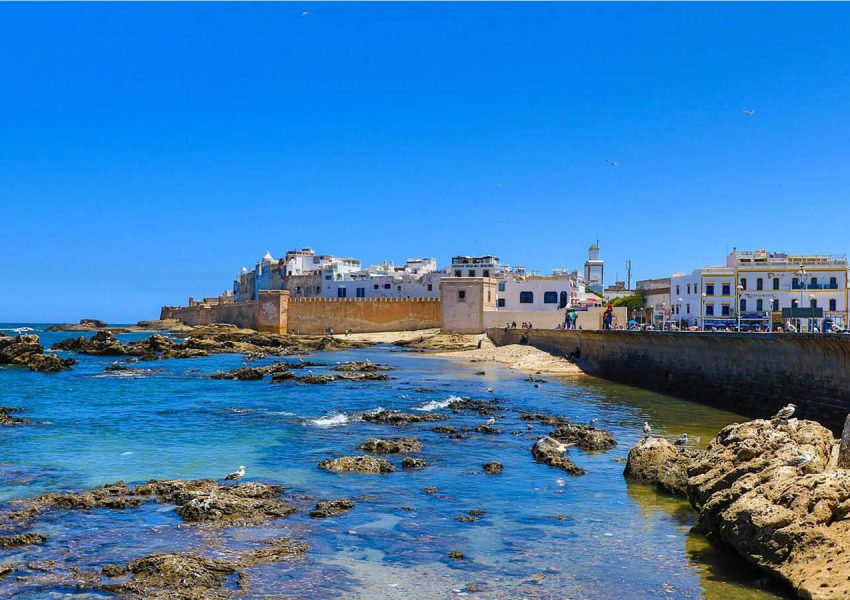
point(794, 303)
point(564, 300)
point(526, 297)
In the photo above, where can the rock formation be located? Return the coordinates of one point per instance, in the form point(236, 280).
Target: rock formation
point(357, 464)
point(394, 417)
point(655, 460)
point(550, 453)
point(26, 351)
point(584, 437)
point(331, 508)
point(398, 445)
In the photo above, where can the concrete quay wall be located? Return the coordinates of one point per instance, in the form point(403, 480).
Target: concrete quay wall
point(751, 374)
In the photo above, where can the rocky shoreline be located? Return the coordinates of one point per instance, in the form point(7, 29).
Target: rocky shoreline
point(753, 495)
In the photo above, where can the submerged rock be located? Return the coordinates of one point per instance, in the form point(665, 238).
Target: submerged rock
point(545, 419)
point(445, 429)
point(181, 574)
point(26, 351)
point(550, 453)
point(392, 446)
point(411, 463)
point(584, 437)
point(22, 539)
point(456, 555)
point(253, 373)
point(363, 366)
point(655, 460)
point(483, 407)
point(331, 508)
point(357, 464)
point(6, 417)
point(394, 417)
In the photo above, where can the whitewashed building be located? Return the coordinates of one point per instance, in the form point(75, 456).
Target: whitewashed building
point(759, 287)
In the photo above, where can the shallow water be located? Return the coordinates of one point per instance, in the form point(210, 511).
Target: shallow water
point(544, 535)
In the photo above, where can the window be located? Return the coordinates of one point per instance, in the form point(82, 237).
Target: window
point(833, 283)
point(501, 286)
point(725, 289)
point(485, 273)
point(472, 272)
point(500, 303)
point(398, 288)
point(743, 283)
point(689, 288)
point(688, 308)
point(813, 303)
point(776, 305)
point(328, 277)
point(677, 290)
point(795, 283)
point(724, 310)
point(776, 283)
point(526, 297)
point(832, 304)
point(742, 305)
point(458, 273)
point(709, 310)
point(814, 282)
point(759, 305)
point(550, 297)
point(377, 287)
point(387, 286)
point(298, 289)
point(794, 303)
point(340, 292)
point(709, 289)
point(430, 287)
point(318, 289)
point(759, 283)
point(361, 292)
point(461, 295)
point(564, 300)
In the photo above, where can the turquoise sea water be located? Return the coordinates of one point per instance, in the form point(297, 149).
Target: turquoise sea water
point(545, 534)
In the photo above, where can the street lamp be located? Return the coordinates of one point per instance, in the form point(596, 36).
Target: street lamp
point(740, 289)
point(679, 313)
point(812, 313)
point(801, 274)
point(702, 311)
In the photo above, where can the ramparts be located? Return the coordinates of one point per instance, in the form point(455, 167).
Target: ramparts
point(277, 312)
point(748, 373)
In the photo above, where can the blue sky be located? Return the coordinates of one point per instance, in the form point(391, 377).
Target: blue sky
point(148, 151)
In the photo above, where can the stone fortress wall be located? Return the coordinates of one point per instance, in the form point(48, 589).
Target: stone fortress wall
point(277, 312)
point(752, 374)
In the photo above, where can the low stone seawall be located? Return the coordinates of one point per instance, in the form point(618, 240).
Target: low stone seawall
point(751, 374)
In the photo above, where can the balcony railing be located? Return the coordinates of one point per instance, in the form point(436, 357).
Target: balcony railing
point(814, 286)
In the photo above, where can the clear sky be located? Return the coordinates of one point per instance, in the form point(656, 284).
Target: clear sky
point(148, 151)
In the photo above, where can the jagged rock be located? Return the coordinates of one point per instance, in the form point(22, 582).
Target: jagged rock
point(456, 555)
point(793, 522)
point(185, 575)
point(584, 437)
point(488, 429)
point(483, 407)
point(362, 377)
point(22, 539)
point(102, 343)
point(320, 379)
point(547, 452)
point(363, 366)
point(493, 467)
point(113, 570)
point(284, 376)
point(273, 551)
point(6, 417)
point(357, 464)
point(444, 429)
point(655, 460)
point(331, 508)
point(249, 501)
point(394, 417)
point(545, 419)
point(413, 464)
point(430, 490)
point(6, 570)
point(25, 350)
point(254, 373)
point(392, 446)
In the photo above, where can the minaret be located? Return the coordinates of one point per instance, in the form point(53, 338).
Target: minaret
point(594, 268)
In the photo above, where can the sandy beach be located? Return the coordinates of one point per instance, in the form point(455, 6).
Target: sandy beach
point(521, 358)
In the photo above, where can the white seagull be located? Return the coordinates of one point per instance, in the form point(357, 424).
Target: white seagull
point(491, 390)
point(613, 163)
point(560, 447)
point(800, 461)
point(681, 440)
point(491, 421)
point(592, 423)
point(646, 428)
point(305, 13)
point(749, 113)
point(785, 413)
point(236, 475)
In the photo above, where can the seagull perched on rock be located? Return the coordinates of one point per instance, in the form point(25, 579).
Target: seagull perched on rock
point(491, 421)
point(681, 440)
point(785, 413)
point(800, 461)
point(592, 423)
point(236, 475)
point(646, 428)
point(559, 446)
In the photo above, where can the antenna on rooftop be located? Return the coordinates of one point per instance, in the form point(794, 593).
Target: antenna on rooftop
point(629, 274)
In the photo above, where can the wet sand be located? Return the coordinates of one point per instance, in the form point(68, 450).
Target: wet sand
point(521, 358)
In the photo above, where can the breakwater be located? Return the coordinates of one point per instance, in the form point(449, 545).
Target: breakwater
point(750, 374)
